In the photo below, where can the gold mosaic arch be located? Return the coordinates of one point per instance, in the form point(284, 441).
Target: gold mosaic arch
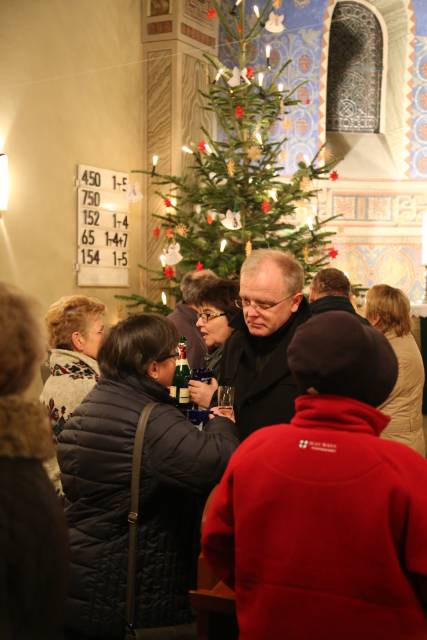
point(408, 75)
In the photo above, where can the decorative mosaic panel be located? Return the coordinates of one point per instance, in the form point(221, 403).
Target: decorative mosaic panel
point(354, 70)
point(419, 111)
point(198, 10)
point(387, 208)
point(159, 7)
point(393, 261)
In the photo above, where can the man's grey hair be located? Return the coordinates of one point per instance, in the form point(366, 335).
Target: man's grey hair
point(293, 272)
point(192, 283)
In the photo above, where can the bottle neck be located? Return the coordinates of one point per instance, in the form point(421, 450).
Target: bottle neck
point(182, 354)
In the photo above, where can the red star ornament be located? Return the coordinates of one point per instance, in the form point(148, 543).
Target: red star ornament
point(199, 266)
point(169, 272)
point(332, 253)
point(202, 146)
point(265, 206)
point(211, 13)
point(239, 112)
point(156, 232)
point(334, 176)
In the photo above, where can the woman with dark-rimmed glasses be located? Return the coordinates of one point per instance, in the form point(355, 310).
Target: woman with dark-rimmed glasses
point(180, 465)
point(216, 304)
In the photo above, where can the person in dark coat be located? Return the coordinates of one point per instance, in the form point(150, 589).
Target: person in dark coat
point(330, 290)
point(180, 465)
point(254, 358)
point(216, 308)
point(34, 558)
point(184, 316)
point(327, 539)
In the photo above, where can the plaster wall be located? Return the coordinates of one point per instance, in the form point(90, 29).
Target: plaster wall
point(70, 93)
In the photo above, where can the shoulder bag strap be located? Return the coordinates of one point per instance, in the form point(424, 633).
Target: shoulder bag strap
point(133, 515)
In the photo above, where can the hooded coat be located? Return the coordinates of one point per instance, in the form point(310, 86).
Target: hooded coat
point(180, 465)
point(328, 539)
point(33, 534)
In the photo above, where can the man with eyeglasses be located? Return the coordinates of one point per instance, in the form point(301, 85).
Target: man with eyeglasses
point(254, 359)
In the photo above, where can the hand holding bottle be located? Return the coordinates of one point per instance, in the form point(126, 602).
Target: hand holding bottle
point(201, 392)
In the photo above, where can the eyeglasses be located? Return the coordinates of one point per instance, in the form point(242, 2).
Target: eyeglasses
point(207, 315)
point(171, 355)
point(242, 303)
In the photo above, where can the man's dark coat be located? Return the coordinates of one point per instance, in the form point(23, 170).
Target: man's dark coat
point(258, 369)
point(335, 303)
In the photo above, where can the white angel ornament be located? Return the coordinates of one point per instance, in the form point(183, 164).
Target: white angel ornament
point(234, 81)
point(231, 220)
point(274, 23)
point(171, 254)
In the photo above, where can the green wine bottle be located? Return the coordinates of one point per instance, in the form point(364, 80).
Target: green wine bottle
point(179, 389)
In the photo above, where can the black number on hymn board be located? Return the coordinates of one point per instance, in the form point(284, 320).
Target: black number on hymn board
point(91, 217)
point(89, 256)
point(92, 198)
point(120, 223)
point(91, 178)
point(120, 185)
point(118, 239)
point(120, 260)
point(88, 237)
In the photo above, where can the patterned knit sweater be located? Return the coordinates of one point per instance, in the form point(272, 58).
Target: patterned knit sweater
point(72, 376)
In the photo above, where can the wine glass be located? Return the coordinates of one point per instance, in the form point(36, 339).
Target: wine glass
point(226, 401)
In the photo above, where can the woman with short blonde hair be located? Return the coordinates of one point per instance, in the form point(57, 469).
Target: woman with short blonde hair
point(75, 326)
point(69, 316)
point(388, 309)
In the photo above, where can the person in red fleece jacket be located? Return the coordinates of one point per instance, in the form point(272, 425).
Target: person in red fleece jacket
point(320, 526)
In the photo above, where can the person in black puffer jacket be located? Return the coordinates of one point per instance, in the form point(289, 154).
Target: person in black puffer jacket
point(180, 465)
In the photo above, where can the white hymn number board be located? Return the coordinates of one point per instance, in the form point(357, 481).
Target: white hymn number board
point(102, 227)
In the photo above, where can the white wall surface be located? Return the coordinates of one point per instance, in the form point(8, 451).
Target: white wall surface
point(70, 93)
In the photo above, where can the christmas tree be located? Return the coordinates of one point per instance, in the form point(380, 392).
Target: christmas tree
point(233, 199)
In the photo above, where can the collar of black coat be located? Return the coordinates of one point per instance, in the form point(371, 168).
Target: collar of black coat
point(25, 431)
point(147, 385)
point(277, 343)
point(332, 303)
point(185, 310)
point(335, 303)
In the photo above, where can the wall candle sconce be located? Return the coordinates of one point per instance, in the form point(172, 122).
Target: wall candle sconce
point(4, 181)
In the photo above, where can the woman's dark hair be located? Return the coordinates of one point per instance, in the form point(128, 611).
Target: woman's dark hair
point(220, 293)
point(132, 344)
